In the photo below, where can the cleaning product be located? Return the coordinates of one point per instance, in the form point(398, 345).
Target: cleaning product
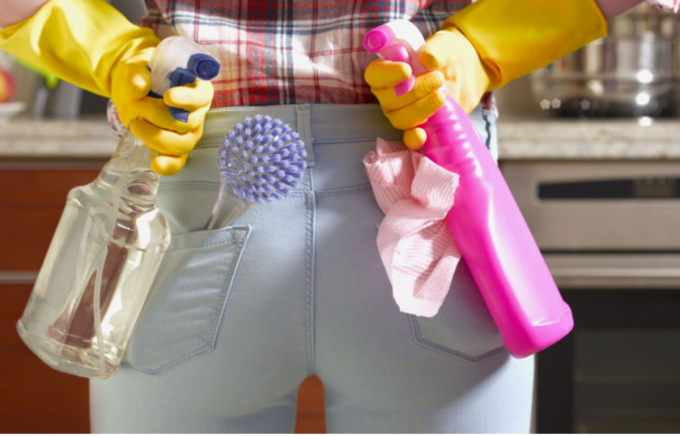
point(165, 74)
point(105, 252)
point(486, 223)
point(259, 160)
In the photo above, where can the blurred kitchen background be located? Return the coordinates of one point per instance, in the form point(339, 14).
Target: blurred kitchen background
point(41, 96)
point(590, 147)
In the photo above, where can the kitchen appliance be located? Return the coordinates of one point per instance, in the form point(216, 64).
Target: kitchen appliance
point(631, 72)
point(609, 233)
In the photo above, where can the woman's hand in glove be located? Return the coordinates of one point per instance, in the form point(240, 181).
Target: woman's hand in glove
point(92, 45)
point(150, 119)
point(457, 71)
point(484, 46)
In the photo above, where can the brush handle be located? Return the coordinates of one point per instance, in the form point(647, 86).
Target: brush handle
point(227, 208)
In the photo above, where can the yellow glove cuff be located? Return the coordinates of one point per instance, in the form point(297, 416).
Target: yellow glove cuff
point(515, 37)
point(467, 78)
point(78, 41)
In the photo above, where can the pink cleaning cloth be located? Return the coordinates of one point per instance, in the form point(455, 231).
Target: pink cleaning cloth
point(414, 239)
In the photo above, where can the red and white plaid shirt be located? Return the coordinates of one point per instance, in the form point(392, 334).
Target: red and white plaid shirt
point(290, 51)
point(294, 51)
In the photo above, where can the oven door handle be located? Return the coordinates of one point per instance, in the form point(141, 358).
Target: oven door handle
point(615, 271)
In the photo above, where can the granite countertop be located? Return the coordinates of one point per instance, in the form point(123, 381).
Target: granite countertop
point(592, 139)
point(25, 138)
point(518, 139)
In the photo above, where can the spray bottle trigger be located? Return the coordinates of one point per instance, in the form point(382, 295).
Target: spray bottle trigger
point(399, 53)
point(180, 77)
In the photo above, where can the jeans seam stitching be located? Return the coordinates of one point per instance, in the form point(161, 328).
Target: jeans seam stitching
point(297, 193)
point(346, 191)
point(229, 284)
point(193, 185)
point(167, 366)
point(344, 139)
point(303, 116)
point(309, 272)
point(449, 351)
point(230, 234)
point(209, 186)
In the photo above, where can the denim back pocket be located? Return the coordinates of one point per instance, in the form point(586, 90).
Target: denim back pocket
point(182, 315)
point(463, 327)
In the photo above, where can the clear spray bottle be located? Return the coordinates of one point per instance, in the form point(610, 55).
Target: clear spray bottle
point(108, 245)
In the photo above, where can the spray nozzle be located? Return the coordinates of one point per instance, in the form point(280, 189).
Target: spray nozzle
point(178, 61)
point(204, 66)
point(397, 41)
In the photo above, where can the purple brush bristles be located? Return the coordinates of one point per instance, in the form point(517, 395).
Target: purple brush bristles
point(262, 159)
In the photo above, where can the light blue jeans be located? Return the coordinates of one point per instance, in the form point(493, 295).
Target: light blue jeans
point(239, 317)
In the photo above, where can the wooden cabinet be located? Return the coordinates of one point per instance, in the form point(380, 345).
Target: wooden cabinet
point(35, 398)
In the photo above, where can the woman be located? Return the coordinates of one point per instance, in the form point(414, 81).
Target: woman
point(238, 317)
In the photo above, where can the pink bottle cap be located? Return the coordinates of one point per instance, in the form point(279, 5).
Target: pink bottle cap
point(378, 38)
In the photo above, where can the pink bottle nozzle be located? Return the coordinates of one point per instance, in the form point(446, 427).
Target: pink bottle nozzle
point(404, 86)
point(378, 38)
point(397, 53)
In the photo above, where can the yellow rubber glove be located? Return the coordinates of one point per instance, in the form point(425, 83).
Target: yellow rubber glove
point(483, 47)
point(458, 72)
point(90, 44)
point(514, 38)
point(149, 118)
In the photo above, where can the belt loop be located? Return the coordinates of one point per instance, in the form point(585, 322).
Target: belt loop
point(304, 128)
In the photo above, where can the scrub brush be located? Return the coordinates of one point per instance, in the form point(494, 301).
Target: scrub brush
point(259, 161)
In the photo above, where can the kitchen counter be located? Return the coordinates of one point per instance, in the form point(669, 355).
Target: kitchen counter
point(56, 139)
point(611, 139)
point(545, 139)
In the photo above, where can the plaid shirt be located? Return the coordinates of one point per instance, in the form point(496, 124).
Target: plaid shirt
point(290, 51)
point(294, 51)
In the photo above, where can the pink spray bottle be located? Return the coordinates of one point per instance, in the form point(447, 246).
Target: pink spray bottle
point(493, 237)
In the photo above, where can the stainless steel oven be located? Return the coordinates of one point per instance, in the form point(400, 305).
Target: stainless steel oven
point(610, 233)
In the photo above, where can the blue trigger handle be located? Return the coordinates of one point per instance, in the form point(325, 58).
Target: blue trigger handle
point(200, 66)
point(179, 77)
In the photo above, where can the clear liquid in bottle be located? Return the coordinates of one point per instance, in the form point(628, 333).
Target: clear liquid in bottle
point(99, 268)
